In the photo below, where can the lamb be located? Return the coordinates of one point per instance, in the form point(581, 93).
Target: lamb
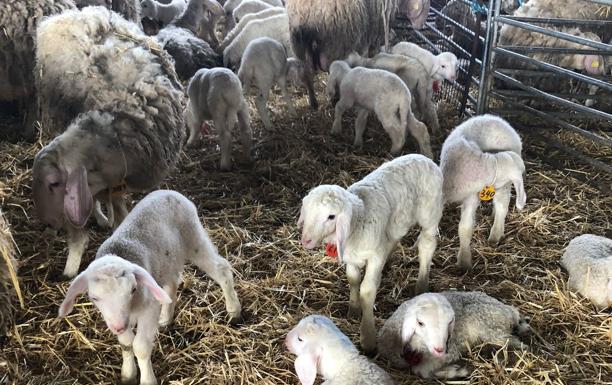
point(165, 13)
point(322, 32)
point(367, 220)
point(265, 63)
point(275, 27)
point(231, 5)
point(482, 156)
point(413, 74)
point(217, 94)
point(337, 70)
point(245, 20)
point(125, 107)
point(430, 332)
point(588, 260)
point(385, 94)
point(19, 20)
point(249, 6)
point(322, 348)
point(133, 280)
point(439, 67)
point(201, 18)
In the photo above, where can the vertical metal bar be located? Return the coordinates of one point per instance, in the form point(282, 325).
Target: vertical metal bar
point(472, 65)
point(487, 59)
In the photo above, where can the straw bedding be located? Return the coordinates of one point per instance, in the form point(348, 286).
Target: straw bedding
point(251, 214)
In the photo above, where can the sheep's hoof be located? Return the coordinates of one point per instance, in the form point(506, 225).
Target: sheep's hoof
point(129, 380)
point(354, 312)
point(464, 267)
point(421, 287)
point(236, 319)
point(494, 239)
point(369, 348)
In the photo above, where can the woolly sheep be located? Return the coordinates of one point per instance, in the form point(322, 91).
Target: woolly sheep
point(440, 67)
point(384, 93)
point(264, 63)
point(275, 27)
point(249, 6)
point(139, 268)
point(129, 9)
point(189, 52)
point(19, 20)
point(482, 151)
point(413, 74)
point(430, 332)
point(367, 220)
point(588, 260)
point(245, 20)
point(201, 17)
point(231, 5)
point(128, 128)
point(165, 13)
point(322, 348)
point(322, 32)
point(217, 94)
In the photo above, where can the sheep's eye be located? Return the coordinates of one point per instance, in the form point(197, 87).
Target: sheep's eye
point(94, 299)
point(421, 323)
point(331, 217)
point(443, 66)
point(134, 290)
point(299, 339)
point(54, 185)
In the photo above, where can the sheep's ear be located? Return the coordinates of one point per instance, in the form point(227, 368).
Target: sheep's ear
point(144, 278)
point(214, 7)
point(306, 365)
point(409, 326)
point(343, 229)
point(78, 201)
point(435, 69)
point(300, 222)
point(77, 286)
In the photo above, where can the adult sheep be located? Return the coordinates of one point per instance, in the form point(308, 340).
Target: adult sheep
point(326, 30)
point(19, 20)
point(128, 129)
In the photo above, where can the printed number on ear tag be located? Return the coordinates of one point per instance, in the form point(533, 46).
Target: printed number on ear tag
point(487, 193)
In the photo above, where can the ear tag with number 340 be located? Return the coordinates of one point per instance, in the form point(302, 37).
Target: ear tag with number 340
point(487, 193)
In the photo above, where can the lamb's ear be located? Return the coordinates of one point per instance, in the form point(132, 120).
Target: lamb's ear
point(78, 201)
point(409, 325)
point(435, 69)
point(144, 278)
point(306, 365)
point(77, 286)
point(343, 229)
point(300, 221)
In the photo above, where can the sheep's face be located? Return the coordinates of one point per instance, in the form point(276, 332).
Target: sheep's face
point(147, 9)
point(318, 215)
point(447, 69)
point(48, 189)
point(428, 325)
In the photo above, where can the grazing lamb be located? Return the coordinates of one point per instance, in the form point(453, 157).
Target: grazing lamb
point(588, 260)
point(384, 93)
point(134, 278)
point(248, 7)
point(165, 13)
point(245, 20)
point(275, 27)
point(324, 31)
point(265, 63)
point(367, 220)
point(337, 70)
point(128, 129)
point(481, 153)
point(322, 348)
point(217, 94)
point(430, 332)
point(19, 20)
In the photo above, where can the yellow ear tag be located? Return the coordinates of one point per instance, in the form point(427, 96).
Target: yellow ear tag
point(487, 193)
point(595, 64)
point(416, 6)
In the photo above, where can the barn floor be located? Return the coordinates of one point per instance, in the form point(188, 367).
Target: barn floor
point(251, 215)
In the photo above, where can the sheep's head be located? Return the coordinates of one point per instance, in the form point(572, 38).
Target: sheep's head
point(428, 325)
point(148, 9)
point(416, 10)
point(112, 283)
point(446, 66)
point(325, 216)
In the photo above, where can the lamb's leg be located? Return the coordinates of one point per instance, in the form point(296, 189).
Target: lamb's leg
point(427, 243)
point(342, 105)
point(369, 287)
point(501, 201)
point(262, 106)
point(308, 79)
point(167, 309)
point(194, 126)
point(428, 108)
point(101, 219)
point(353, 275)
point(207, 259)
point(128, 367)
point(360, 126)
point(246, 135)
point(466, 229)
point(77, 243)
point(419, 132)
point(225, 140)
point(144, 341)
point(282, 83)
point(120, 208)
point(452, 371)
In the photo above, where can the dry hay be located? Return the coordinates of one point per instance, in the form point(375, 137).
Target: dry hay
point(8, 277)
point(251, 215)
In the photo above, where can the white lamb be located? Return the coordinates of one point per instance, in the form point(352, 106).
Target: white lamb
point(384, 93)
point(139, 268)
point(322, 348)
point(337, 70)
point(227, 40)
point(430, 332)
point(482, 151)
point(275, 27)
point(588, 260)
point(440, 67)
point(217, 94)
point(264, 63)
point(366, 222)
point(248, 7)
point(165, 13)
point(231, 5)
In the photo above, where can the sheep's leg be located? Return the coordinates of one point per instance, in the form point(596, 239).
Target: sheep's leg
point(342, 105)
point(592, 91)
point(282, 83)
point(207, 259)
point(501, 201)
point(452, 371)
point(419, 132)
point(466, 229)
point(368, 289)
point(246, 135)
point(101, 219)
point(194, 126)
point(225, 140)
point(77, 243)
point(121, 210)
point(360, 126)
point(308, 79)
point(128, 367)
point(167, 309)
point(262, 106)
point(353, 275)
point(426, 244)
point(144, 341)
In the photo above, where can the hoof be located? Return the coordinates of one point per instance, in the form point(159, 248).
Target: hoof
point(464, 268)
point(353, 313)
point(236, 320)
